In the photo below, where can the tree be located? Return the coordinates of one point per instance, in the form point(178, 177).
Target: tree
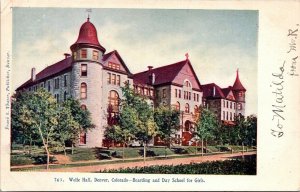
point(78, 120)
point(146, 127)
point(20, 132)
point(206, 125)
point(167, 121)
point(126, 129)
point(38, 113)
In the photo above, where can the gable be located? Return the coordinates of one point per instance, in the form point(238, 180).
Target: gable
point(187, 73)
point(113, 59)
point(230, 96)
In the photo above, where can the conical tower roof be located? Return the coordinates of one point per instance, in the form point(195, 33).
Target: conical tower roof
point(237, 86)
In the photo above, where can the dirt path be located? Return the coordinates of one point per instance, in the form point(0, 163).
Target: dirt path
point(176, 161)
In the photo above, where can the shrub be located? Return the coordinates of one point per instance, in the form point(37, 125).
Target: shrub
point(227, 167)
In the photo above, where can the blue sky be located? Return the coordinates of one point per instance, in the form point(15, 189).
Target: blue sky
point(218, 41)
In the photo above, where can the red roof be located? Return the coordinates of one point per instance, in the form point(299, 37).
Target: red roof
point(115, 52)
point(226, 90)
point(164, 74)
point(237, 86)
point(49, 71)
point(208, 91)
point(87, 35)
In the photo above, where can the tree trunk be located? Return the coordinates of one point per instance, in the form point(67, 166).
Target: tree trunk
point(144, 152)
point(45, 145)
point(65, 152)
point(243, 150)
point(72, 149)
point(30, 145)
point(201, 147)
point(123, 155)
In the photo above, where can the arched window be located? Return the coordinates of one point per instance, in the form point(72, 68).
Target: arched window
point(83, 107)
point(83, 91)
point(113, 101)
point(177, 106)
point(196, 109)
point(187, 108)
point(187, 125)
point(187, 84)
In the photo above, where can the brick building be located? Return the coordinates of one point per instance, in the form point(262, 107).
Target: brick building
point(95, 78)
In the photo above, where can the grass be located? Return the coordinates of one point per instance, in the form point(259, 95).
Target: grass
point(83, 154)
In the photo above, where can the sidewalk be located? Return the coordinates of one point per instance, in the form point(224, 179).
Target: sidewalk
point(149, 162)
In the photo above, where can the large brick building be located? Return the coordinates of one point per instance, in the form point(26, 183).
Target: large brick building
point(95, 78)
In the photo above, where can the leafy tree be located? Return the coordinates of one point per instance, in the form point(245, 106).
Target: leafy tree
point(206, 125)
point(146, 127)
point(38, 113)
point(126, 129)
point(167, 121)
point(77, 120)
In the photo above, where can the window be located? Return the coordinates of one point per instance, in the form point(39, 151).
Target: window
point(196, 109)
point(187, 108)
point(65, 80)
point(83, 107)
point(175, 92)
point(226, 104)
point(177, 106)
point(187, 84)
point(226, 115)
point(43, 85)
point(118, 80)
point(146, 91)
point(233, 105)
point(190, 95)
point(113, 101)
point(75, 55)
point(223, 103)
point(83, 91)
point(223, 115)
point(29, 89)
point(56, 96)
point(239, 106)
point(49, 87)
point(83, 53)
point(179, 94)
point(197, 97)
point(230, 105)
point(164, 93)
point(95, 55)
point(109, 78)
point(113, 80)
point(56, 83)
point(65, 95)
point(151, 92)
point(194, 96)
point(114, 66)
point(83, 70)
point(240, 94)
point(187, 125)
point(230, 116)
point(82, 138)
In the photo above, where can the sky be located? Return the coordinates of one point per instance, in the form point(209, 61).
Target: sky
point(218, 41)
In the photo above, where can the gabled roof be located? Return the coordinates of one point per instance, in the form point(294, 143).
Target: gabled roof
point(208, 91)
point(226, 90)
point(49, 71)
point(115, 52)
point(163, 75)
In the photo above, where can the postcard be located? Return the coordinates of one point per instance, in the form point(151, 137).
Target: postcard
point(150, 95)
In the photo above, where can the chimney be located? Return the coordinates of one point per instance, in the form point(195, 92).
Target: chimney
point(67, 55)
point(214, 90)
point(33, 74)
point(151, 75)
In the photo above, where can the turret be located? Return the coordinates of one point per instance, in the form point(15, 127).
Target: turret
point(239, 94)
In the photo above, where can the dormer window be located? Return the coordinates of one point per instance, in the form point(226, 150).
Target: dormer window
point(95, 55)
point(83, 53)
point(75, 55)
point(114, 66)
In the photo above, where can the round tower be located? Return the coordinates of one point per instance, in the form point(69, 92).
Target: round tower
point(239, 94)
point(86, 82)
